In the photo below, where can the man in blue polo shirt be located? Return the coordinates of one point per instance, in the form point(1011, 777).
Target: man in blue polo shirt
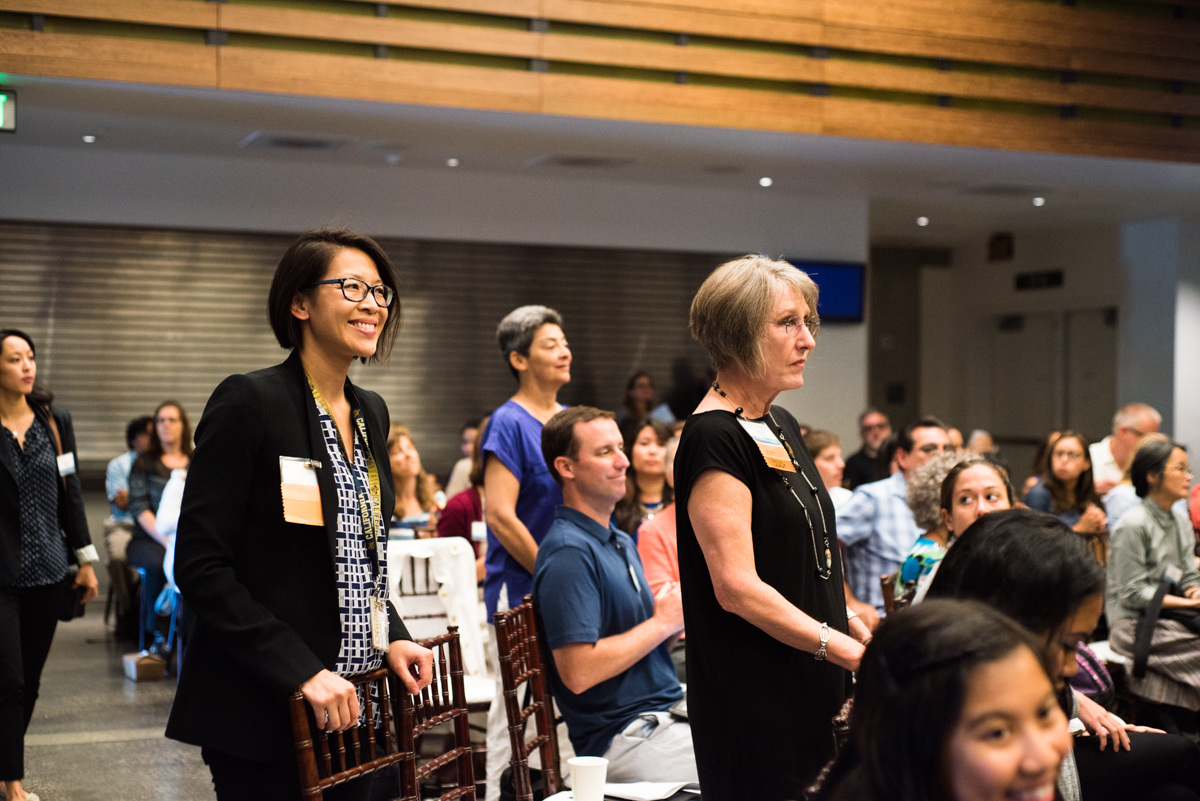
point(610, 637)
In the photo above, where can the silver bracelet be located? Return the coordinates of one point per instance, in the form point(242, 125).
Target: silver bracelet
point(821, 652)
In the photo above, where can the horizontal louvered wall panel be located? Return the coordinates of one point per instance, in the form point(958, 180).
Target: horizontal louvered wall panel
point(124, 318)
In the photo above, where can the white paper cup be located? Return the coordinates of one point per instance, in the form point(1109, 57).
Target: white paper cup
point(587, 777)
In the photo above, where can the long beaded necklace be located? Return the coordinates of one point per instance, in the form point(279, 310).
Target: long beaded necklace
point(822, 571)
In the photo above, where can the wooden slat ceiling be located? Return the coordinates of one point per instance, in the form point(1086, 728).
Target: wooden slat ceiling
point(1121, 79)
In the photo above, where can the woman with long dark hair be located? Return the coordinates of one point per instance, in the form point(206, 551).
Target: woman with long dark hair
point(170, 449)
point(1033, 568)
point(646, 489)
point(1066, 490)
point(42, 525)
point(953, 702)
point(282, 533)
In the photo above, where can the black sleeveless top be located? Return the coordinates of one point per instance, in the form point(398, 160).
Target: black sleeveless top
point(761, 711)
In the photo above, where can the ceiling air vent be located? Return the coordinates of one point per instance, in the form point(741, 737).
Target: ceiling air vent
point(292, 142)
point(578, 162)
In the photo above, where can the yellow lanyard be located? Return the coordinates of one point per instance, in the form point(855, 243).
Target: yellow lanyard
point(372, 515)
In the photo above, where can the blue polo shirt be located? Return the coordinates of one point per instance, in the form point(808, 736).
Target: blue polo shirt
point(584, 592)
point(514, 436)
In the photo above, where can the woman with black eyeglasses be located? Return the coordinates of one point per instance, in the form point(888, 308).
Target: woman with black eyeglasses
point(282, 541)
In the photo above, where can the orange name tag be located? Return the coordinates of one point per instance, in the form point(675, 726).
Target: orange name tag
point(301, 494)
point(769, 446)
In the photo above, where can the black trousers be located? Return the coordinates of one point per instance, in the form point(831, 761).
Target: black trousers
point(146, 553)
point(1160, 767)
point(28, 617)
point(237, 779)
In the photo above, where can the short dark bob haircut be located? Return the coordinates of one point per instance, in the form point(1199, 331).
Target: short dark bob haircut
point(1150, 459)
point(912, 684)
point(1029, 565)
point(306, 262)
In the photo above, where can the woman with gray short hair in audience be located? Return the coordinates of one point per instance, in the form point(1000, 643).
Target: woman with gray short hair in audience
point(771, 645)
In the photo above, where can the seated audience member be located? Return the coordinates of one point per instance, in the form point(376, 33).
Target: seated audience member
point(956, 438)
point(981, 442)
point(463, 514)
point(826, 450)
point(639, 402)
point(1066, 490)
point(118, 528)
point(1111, 455)
point(874, 427)
point(647, 492)
point(170, 449)
point(1152, 579)
point(609, 636)
point(885, 463)
point(1041, 462)
point(954, 702)
point(659, 552)
point(875, 526)
point(925, 501)
point(459, 479)
point(1123, 497)
point(1194, 510)
point(1033, 568)
point(417, 505)
point(974, 487)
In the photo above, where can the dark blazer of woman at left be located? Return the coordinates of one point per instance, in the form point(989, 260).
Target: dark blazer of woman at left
point(280, 514)
point(38, 506)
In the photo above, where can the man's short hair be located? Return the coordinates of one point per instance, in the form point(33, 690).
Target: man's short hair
point(558, 435)
point(864, 415)
point(516, 331)
point(905, 441)
point(730, 310)
point(1129, 416)
point(138, 425)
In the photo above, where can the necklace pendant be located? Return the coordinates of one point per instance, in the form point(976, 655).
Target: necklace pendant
point(828, 558)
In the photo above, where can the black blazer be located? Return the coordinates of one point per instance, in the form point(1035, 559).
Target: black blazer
point(72, 518)
point(263, 590)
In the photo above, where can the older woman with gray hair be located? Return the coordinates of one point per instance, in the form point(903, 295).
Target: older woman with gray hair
point(925, 500)
point(771, 645)
point(521, 494)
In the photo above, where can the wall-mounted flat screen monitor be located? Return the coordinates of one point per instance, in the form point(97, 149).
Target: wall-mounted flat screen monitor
point(841, 289)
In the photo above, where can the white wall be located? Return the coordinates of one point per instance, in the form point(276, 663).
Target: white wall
point(1146, 356)
point(119, 188)
point(1187, 340)
point(959, 304)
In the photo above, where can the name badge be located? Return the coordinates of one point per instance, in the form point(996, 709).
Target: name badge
point(478, 531)
point(379, 624)
point(301, 494)
point(66, 464)
point(769, 446)
point(1173, 574)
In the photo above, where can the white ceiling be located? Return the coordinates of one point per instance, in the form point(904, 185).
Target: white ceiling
point(964, 191)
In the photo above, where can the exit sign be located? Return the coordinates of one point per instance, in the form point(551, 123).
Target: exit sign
point(8, 109)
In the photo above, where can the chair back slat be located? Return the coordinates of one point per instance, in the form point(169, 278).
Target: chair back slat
point(442, 700)
point(319, 768)
point(520, 652)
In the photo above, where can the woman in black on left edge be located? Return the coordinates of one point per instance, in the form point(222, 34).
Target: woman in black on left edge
point(282, 598)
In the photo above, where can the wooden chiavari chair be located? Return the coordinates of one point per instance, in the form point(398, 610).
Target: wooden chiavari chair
point(327, 759)
point(520, 653)
point(441, 702)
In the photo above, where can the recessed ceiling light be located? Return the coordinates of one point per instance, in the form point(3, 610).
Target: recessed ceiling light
point(89, 139)
point(1039, 201)
point(922, 221)
point(765, 181)
point(451, 162)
